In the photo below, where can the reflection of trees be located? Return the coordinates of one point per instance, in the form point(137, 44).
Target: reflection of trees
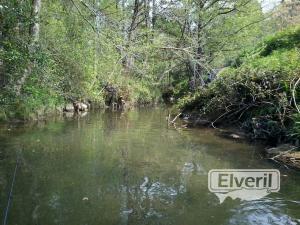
point(147, 199)
point(113, 121)
point(132, 169)
point(124, 188)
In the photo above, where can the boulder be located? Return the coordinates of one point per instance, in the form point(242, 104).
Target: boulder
point(69, 108)
point(84, 107)
point(80, 107)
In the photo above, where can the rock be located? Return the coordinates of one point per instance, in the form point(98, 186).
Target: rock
point(69, 108)
point(231, 135)
point(290, 159)
point(235, 136)
point(185, 118)
point(80, 106)
point(279, 149)
point(88, 102)
point(84, 107)
point(127, 211)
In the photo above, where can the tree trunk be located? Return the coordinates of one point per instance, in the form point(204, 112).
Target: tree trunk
point(35, 25)
point(129, 59)
point(147, 13)
point(153, 13)
point(198, 73)
point(2, 78)
point(34, 32)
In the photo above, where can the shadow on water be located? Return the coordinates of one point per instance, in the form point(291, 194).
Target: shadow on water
point(130, 168)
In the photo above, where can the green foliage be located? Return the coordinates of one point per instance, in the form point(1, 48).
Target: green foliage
point(257, 95)
point(287, 39)
point(295, 131)
point(282, 41)
point(83, 46)
point(71, 62)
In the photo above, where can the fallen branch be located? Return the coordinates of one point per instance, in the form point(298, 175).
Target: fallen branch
point(175, 118)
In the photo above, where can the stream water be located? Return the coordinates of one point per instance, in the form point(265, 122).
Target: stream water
point(130, 168)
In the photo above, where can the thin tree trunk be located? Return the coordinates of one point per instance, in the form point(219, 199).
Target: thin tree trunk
point(34, 32)
point(2, 35)
point(147, 13)
point(129, 59)
point(153, 13)
point(35, 26)
point(199, 52)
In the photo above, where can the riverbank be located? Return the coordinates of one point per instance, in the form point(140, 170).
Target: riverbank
point(259, 93)
point(28, 107)
point(284, 154)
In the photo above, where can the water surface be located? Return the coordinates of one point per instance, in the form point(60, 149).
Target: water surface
point(130, 168)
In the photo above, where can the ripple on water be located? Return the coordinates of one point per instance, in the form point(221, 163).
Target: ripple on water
point(265, 211)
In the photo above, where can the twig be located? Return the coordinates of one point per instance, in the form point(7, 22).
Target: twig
point(294, 95)
point(175, 118)
point(80, 13)
point(224, 114)
point(10, 193)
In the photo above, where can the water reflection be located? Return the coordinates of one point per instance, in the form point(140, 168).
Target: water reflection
point(130, 168)
point(265, 211)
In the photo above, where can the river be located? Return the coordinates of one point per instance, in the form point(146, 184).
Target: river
point(130, 168)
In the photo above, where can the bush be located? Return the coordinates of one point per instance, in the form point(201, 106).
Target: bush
point(257, 95)
point(287, 39)
point(295, 131)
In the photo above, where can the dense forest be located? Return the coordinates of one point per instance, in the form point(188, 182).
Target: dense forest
point(221, 60)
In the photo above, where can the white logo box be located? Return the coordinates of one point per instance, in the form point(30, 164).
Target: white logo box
point(226, 180)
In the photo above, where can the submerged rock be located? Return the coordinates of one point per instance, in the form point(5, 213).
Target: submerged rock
point(231, 135)
point(279, 149)
point(127, 211)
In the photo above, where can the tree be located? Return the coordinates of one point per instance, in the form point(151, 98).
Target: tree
point(34, 38)
point(35, 25)
point(286, 14)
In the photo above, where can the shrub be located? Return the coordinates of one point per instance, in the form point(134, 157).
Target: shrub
point(258, 94)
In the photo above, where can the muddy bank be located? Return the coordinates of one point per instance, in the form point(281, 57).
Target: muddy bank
point(286, 154)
